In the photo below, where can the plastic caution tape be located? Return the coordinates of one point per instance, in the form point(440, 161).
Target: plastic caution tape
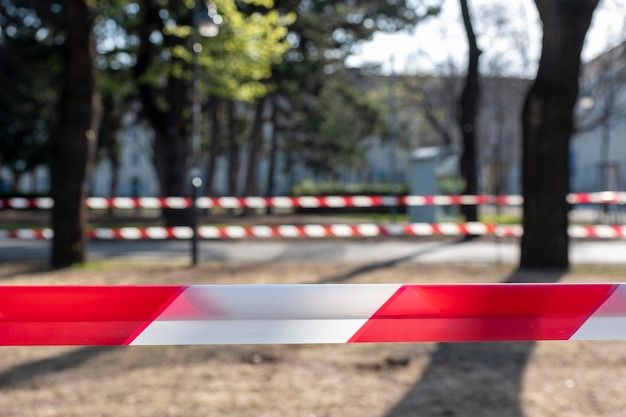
point(287, 231)
point(286, 314)
point(310, 202)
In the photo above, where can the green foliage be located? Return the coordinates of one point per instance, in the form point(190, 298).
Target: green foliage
point(29, 68)
point(329, 118)
point(310, 188)
point(331, 128)
point(237, 63)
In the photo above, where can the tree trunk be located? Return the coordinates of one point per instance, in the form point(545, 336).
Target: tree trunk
point(75, 142)
point(171, 154)
point(17, 176)
point(108, 142)
point(256, 140)
point(213, 146)
point(233, 151)
point(468, 114)
point(547, 120)
point(114, 158)
point(171, 146)
point(273, 147)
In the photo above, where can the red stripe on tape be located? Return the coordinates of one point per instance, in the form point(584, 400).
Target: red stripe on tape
point(81, 315)
point(442, 313)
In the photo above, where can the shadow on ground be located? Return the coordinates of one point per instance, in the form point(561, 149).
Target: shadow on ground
point(32, 371)
point(366, 269)
point(473, 379)
point(465, 379)
point(461, 380)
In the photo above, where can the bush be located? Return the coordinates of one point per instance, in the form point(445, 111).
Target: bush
point(309, 188)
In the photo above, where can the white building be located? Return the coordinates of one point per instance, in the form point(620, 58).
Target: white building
point(599, 147)
point(598, 151)
point(136, 173)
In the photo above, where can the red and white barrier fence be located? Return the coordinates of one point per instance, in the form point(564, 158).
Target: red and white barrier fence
point(285, 314)
point(318, 231)
point(304, 202)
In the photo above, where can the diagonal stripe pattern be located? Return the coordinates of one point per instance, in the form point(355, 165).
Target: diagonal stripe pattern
point(337, 201)
point(284, 314)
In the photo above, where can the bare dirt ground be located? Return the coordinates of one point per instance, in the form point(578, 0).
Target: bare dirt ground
point(564, 379)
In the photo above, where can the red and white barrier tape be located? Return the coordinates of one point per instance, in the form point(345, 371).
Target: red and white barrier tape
point(285, 314)
point(305, 202)
point(317, 231)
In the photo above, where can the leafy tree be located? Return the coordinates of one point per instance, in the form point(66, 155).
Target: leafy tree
point(29, 67)
point(547, 127)
point(117, 87)
point(331, 128)
point(322, 37)
point(234, 65)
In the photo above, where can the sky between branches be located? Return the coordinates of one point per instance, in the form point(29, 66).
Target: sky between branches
point(509, 33)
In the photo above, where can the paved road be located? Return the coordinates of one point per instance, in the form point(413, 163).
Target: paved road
point(479, 251)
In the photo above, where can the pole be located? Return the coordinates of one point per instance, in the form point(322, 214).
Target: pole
point(196, 182)
point(195, 91)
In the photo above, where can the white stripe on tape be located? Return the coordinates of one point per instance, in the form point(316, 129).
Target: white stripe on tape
point(335, 201)
point(282, 202)
point(362, 201)
point(97, 203)
point(288, 313)
point(130, 233)
point(176, 202)
point(368, 230)
point(262, 231)
point(309, 202)
point(18, 202)
point(204, 203)
point(149, 202)
point(182, 232)
point(607, 322)
point(315, 230)
point(288, 231)
point(156, 233)
point(255, 202)
point(44, 202)
point(123, 203)
point(228, 202)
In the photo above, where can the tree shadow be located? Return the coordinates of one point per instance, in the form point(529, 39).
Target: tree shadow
point(22, 374)
point(366, 269)
point(10, 269)
point(474, 379)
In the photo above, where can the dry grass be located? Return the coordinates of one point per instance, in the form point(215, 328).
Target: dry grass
point(564, 379)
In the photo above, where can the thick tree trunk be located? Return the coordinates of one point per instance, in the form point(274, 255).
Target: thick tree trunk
point(547, 120)
point(468, 114)
point(75, 141)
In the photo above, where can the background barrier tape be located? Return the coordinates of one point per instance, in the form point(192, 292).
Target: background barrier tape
point(318, 231)
point(285, 314)
point(305, 201)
